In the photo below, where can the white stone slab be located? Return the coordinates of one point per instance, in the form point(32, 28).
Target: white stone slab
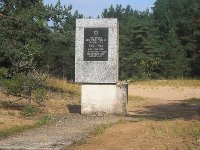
point(104, 99)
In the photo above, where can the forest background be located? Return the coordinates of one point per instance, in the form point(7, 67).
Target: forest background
point(160, 44)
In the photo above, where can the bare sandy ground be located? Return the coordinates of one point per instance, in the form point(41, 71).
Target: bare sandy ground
point(157, 112)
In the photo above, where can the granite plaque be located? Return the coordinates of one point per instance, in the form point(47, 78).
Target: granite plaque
point(95, 44)
point(96, 51)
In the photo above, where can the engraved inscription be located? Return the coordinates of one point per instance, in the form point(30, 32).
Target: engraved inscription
point(95, 44)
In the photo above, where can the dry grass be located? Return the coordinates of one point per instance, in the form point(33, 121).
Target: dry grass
point(172, 83)
point(135, 98)
point(191, 129)
point(65, 93)
point(59, 94)
point(63, 85)
point(147, 135)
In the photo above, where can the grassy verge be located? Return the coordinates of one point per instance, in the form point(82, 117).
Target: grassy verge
point(17, 129)
point(173, 83)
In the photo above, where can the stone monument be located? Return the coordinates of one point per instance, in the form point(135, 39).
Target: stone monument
point(96, 67)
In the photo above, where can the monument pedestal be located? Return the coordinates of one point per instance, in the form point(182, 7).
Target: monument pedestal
point(97, 66)
point(103, 99)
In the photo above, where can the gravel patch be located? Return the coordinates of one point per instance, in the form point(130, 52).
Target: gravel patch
point(60, 135)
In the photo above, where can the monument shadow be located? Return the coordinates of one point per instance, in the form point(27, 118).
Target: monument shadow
point(186, 110)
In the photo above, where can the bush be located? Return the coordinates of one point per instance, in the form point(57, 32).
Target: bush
point(24, 85)
point(19, 85)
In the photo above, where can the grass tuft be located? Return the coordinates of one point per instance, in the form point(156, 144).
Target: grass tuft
point(29, 111)
point(100, 129)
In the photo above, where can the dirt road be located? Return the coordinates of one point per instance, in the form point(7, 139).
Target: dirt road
point(56, 136)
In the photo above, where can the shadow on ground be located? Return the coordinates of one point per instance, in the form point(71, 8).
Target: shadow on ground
point(74, 108)
point(179, 109)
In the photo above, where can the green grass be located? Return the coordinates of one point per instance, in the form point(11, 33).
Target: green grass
point(29, 111)
point(17, 129)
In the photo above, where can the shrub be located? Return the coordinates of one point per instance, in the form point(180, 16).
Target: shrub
point(22, 85)
point(19, 85)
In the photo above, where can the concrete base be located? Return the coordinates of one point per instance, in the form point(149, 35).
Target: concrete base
point(102, 99)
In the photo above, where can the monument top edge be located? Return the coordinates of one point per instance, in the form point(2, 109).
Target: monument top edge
point(104, 22)
point(96, 19)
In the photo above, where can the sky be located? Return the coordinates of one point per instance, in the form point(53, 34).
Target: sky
point(94, 8)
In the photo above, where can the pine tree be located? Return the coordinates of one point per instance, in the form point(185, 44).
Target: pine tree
point(173, 62)
point(136, 51)
point(23, 29)
point(180, 16)
point(60, 48)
